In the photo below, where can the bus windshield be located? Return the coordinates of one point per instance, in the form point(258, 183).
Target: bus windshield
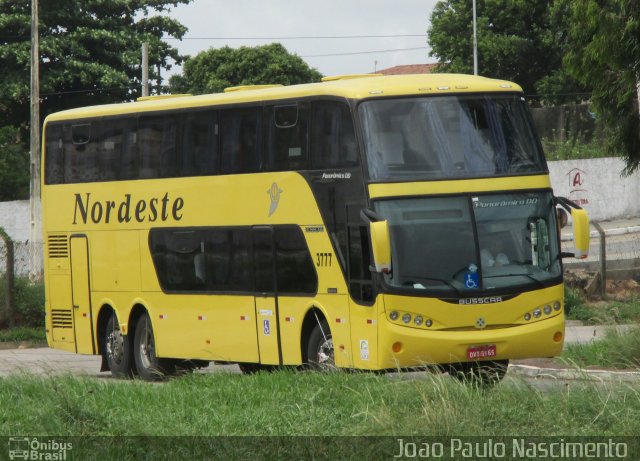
point(448, 137)
point(467, 244)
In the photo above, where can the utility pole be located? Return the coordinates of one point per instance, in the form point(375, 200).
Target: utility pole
point(35, 234)
point(145, 69)
point(475, 41)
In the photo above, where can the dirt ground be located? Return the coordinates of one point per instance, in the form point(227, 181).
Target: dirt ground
point(588, 283)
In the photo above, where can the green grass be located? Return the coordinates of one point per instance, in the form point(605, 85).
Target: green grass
point(602, 313)
point(20, 334)
point(615, 350)
point(289, 403)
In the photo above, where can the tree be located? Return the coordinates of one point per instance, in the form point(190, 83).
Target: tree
point(517, 41)
point(214, 70)
point(90, 52)
point(604, 52)
point(14, 165)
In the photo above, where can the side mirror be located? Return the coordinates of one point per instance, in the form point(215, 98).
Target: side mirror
point(580, 233)
point(381, 246)
point(580, 227)
point(380, 240)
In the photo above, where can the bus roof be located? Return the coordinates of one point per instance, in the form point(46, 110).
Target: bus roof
point(347, 86)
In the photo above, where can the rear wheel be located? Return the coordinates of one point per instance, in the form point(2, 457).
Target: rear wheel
point(320, 352)
point(117, 349)
point(149, 366)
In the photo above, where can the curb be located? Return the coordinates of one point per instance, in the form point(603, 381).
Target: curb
point(574, 374)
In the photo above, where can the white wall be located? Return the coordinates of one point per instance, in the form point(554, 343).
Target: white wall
point(14, 217)
point(598, 186)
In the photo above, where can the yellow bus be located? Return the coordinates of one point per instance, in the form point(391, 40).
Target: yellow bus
point(365, 222)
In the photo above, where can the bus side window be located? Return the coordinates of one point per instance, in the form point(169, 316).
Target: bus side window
point(80, 153)
point(333, 140)
point(157, 146)
point(287, 133)
point(110, 145)
point(54, 160)
point(241, 140)
point(295, 272)
point(199, 154)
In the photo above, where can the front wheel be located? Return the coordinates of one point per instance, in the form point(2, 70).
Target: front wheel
point(117, 349)
point(149, 366)
point(320, 352)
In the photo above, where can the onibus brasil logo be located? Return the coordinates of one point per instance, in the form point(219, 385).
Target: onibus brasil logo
point(30, 448)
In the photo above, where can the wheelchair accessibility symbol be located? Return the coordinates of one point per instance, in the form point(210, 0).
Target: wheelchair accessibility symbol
point(471, 280)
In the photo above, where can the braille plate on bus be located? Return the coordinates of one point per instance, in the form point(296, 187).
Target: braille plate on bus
point(485, 351)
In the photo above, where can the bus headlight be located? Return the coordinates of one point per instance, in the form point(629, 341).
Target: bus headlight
point(429, 322)
point(547, 309)
point(557, 306)
point(418, 320)
point(527, 316)
point(537, 312)
point(393, 315)
point(406, 318)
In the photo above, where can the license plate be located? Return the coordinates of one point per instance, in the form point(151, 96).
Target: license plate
point(481, 352)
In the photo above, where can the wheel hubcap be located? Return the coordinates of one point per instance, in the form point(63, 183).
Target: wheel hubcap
point(326, 353)
point(147, 351)
point(115, 346)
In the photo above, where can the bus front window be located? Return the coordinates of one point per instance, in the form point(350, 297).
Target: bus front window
point(447, 137)
point(468, 244)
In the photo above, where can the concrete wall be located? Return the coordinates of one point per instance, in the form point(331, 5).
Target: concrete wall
point(14, 217)
point(598, 186)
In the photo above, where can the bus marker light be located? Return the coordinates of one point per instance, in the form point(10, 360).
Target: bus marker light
point(288, 319)
point(202, 317)
point(244, 317)
point(557, 337)
point(339, 320)
point(208, 341)
point(397, 347)
point(163, 316)
point(85, 315)
point(341, 347)
point(370, 321)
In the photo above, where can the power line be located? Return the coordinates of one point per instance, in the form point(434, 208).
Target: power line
point(302, 37)
point(364, 52)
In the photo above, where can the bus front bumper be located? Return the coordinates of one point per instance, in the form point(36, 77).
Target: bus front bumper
point(406, 347)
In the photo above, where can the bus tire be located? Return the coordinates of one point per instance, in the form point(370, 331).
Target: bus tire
point(117, 349)
point(320, 352)
point(148, 365)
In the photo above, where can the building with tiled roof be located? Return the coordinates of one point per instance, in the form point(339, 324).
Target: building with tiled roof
point(407, 69)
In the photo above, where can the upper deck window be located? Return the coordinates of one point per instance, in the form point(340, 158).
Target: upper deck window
point(449, 137)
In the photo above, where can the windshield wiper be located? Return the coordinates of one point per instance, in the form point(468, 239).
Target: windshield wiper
point(444, 282)
point(538, 282)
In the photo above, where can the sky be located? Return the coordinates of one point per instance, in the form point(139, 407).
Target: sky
point(216, 23)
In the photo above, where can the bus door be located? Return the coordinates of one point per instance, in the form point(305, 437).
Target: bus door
point(266, 299)
point(80, 294)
